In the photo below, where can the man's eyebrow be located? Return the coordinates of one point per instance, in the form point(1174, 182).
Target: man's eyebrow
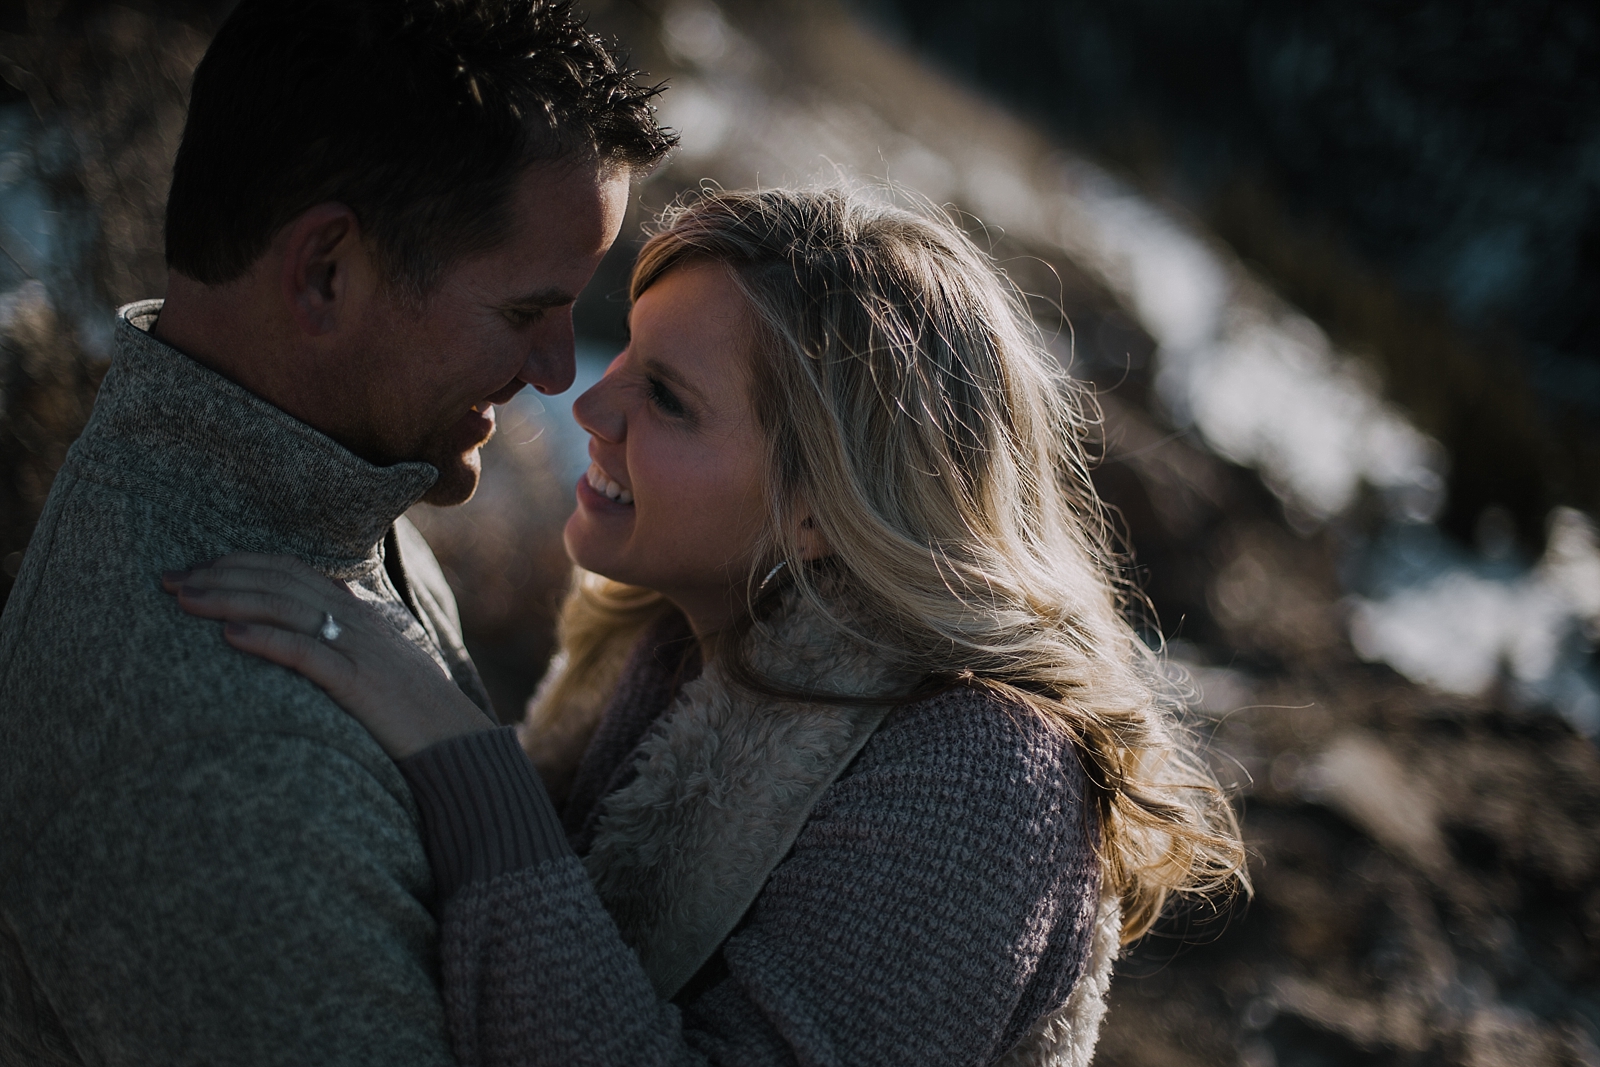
point(543, 300)
point(661, 370)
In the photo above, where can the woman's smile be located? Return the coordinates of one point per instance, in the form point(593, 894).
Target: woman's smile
point(597, 480)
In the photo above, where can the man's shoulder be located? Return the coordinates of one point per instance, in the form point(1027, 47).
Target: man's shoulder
point(98, 666)
point(88, 613)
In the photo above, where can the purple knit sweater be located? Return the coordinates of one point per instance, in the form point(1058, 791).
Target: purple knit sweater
point(936, 904)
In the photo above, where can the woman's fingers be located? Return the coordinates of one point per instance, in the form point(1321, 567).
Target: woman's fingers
point(244, 580)
point(286, 565)
point(267, 589)
point(310, 657)
point(267, 574)
point(249, 606)
point(403, 698)
point(272, 590)
point(275, 608)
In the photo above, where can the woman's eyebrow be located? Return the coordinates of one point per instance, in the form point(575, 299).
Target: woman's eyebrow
point(661, 370)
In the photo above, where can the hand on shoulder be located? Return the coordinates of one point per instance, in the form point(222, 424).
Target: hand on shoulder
point(278, 608)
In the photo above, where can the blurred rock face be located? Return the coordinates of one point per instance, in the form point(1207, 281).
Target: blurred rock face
point(1426, 864)
point(1418, 176)
point(91, 109)
point(1425, 896)
point(46, 389)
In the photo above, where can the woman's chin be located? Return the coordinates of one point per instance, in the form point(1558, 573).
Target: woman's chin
point(587, 546)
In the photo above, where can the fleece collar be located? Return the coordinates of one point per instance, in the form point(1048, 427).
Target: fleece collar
point(177, 433)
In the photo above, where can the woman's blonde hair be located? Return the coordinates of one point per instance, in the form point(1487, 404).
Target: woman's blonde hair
point(909, 404)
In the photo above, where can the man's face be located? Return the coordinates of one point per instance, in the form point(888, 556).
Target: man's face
point(493, 323)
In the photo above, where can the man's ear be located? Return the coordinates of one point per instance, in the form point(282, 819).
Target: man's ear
point(810, 540)
point(321, 253)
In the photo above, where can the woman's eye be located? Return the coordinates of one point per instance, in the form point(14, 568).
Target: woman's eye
point(663, 397)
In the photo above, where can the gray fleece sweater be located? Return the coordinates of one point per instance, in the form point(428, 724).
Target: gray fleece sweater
point(203, 860)
point(938, 902)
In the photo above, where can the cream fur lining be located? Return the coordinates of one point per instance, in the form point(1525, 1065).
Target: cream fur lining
point(726, 782)
point(1066, 1037)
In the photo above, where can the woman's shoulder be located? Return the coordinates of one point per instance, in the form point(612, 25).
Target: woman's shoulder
point(978, 755)
point(982, 730)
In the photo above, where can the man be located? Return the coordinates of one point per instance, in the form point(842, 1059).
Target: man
point(380, 216)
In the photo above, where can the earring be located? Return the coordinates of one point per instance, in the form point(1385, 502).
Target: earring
point(773, 573)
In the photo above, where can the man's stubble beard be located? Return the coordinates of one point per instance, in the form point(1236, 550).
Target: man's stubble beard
point(397, 435)
point(458, 473)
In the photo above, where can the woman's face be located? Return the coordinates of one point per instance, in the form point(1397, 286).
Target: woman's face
point(673, 499)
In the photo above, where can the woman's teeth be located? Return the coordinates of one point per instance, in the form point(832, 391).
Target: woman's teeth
point(610, 489)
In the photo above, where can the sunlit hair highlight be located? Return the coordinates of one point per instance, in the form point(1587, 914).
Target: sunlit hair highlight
point(909, 404)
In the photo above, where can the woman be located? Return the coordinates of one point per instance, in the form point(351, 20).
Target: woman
point(858, 759)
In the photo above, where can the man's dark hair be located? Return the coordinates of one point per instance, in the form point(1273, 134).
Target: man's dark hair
point(420, 115)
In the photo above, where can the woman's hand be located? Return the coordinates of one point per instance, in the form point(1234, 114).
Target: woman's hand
point(275, 607)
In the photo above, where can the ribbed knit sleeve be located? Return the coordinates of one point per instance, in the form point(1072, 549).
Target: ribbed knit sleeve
point(484, 811)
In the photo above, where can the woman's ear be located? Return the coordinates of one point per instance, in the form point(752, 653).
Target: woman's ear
point(812, 544)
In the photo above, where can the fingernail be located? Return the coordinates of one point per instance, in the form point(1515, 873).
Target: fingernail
point(174, 576)
point(235, 629)
point(193, 591)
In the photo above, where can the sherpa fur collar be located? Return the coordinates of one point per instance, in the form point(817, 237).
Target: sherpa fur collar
point(1066, 1037)
point(726, 781)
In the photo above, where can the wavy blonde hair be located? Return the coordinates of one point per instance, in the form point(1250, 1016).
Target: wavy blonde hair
point(908, 402)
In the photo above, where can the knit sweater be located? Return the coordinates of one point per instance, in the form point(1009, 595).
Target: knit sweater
point(937, 904)
point(203, 859)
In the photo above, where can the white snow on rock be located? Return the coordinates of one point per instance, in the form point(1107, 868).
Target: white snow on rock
point(1463, 632)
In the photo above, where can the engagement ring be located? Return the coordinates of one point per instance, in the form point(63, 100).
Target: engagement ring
point(330, 630)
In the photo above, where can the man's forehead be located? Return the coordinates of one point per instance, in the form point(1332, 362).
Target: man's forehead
point(568, 210)
point(581, 178)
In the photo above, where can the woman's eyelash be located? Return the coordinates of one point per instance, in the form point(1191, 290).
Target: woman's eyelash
point(662, 397)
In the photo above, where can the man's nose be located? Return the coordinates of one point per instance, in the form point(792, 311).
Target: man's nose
point(550, 366)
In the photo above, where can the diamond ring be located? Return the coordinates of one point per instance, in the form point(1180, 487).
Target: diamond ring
point(330, 630)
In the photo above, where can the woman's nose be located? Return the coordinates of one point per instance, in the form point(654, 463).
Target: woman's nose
point(597, 410)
